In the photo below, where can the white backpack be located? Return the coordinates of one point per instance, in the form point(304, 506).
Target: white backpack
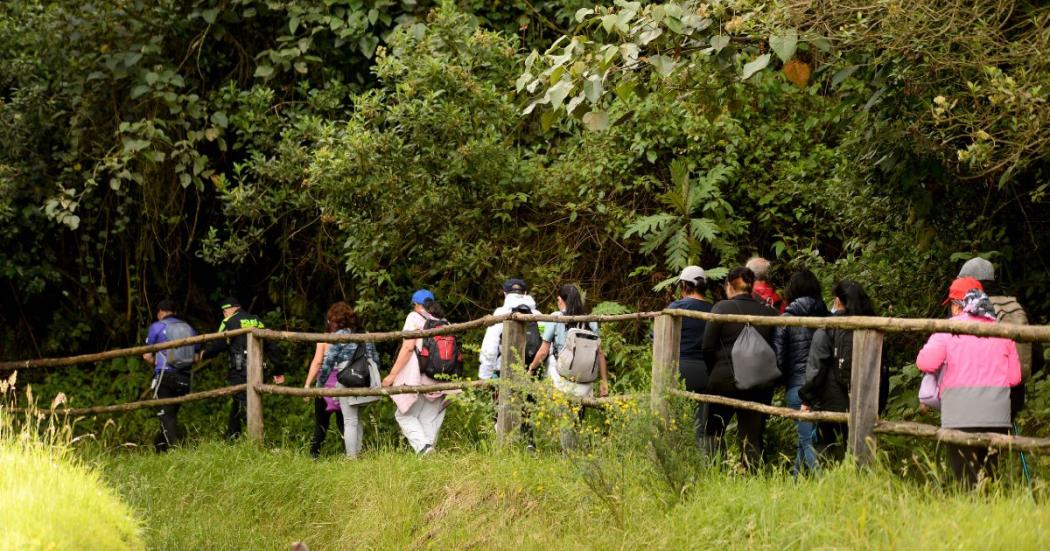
point(578, 359)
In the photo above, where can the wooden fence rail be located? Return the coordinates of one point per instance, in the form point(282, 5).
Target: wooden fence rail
point(862, 418)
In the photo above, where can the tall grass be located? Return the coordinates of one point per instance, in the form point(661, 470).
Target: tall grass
point(51, 500)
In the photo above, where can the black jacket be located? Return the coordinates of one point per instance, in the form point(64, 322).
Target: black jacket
point(719, 339)
point(238, 346)
point(792, 343)
point(829, 370)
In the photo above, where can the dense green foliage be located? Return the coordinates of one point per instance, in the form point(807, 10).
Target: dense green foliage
point(296, 153)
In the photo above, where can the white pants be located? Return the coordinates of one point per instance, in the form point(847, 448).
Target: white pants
point(353, 430)
point(421, 423)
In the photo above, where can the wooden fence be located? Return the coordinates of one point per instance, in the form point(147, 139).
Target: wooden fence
point(862, 418)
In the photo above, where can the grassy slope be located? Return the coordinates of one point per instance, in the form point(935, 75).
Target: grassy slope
point(216, 496)
point(51, 501)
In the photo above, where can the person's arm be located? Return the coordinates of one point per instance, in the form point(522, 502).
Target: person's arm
point(603, 372)
point(152, 337)
point(408, 347)
point(489, 355)
point(214, 348)
point(933, 353)
point(782, 346)
point(541, 355)
point(315, 364)
point(276, 367)
point(712, 341)
point(820, 355)
point(1013, 365)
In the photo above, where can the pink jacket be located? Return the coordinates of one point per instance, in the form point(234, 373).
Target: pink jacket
point(977, 375)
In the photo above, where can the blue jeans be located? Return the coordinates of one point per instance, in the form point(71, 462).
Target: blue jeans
point(806, 453)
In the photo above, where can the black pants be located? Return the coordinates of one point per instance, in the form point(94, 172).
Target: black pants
point(171, 385)
point(831, 441)
point(694, 373)
point(238, 416)
point(968, 462)
point(751, 425)
point(322, 419)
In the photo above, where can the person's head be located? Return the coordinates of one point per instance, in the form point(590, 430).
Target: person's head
point(419, 298)
point(341, 316)
point(957, 292)
point(515, 287)
point(851, 299)
point(759, 267)
point(229, 306)
point(739, 281)
point(692, 280)
point(570, 301)
point(166, 308)
point(803, 283)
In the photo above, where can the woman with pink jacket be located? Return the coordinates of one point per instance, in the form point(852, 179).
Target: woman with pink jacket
point(975, 380)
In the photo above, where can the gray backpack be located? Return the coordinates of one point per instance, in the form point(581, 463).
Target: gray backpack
point(578, 359)
point(176, 329)
point(754, 361)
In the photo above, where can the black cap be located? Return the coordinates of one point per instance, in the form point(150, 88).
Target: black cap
point(167, 305)
point(230, 302)
point(515, 286)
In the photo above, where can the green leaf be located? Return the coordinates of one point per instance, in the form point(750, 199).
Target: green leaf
point(717, 273)
point(220, 120)
point(132, 145)
point(559, 92)
point(210, 15)
point(663, 64)
point(596, 121)
point(704, 229)
point(264, 71)
point(755, 66)
point(842, 74)
point(784, 44)
point(293, 24)
point(609, 22)
point(583, 13)
point(592, 88)
point(719, 42)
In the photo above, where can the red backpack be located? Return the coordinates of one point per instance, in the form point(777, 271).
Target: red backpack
point(440, 356)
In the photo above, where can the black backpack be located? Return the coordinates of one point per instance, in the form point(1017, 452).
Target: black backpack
point(533, 339)
point(441, 356)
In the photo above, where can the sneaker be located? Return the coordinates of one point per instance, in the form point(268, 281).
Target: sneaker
point(530, 449)
point(427, 450)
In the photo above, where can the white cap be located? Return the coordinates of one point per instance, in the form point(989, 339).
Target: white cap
point(693, 274)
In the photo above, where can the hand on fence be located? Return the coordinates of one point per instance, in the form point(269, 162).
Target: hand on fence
point(804, 407)
point(278, 379)
point(388, 380)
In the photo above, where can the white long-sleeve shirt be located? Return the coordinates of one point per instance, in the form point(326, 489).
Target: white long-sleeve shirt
point(490, 346)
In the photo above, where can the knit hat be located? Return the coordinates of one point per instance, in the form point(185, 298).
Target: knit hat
point(978, 268)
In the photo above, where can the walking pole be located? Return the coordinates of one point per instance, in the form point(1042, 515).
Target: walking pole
point(1024, 462)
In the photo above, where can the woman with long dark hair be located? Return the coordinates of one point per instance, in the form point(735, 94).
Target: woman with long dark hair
point(719, 339)
point(829, 368)
point(792, 348)
point(555, 338)
point(324, 408)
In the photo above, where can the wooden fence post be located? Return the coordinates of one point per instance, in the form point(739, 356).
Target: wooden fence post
point(667, 334)
point(512, 354)
point(255, 378)
point(864, 395)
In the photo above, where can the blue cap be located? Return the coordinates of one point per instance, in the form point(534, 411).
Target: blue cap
point(421, 296)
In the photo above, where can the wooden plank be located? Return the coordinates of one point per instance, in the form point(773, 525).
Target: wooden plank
point(864, 395)
point(977, 439)
point(511, 372)
point(255, 379)
point(132, 406)
point(667, 336)
point(818, 416)
point(120, 353)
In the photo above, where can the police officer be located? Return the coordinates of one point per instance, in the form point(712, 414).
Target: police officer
point(235, 317)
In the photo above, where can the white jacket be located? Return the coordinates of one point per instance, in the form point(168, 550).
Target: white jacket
point(490, 346)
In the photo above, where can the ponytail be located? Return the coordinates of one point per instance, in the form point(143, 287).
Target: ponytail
point(742, 279)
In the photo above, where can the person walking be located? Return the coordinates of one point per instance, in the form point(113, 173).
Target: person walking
point(235, 317)
point(719, 340)
point(976, 374)
point(829, 369)
point(325, 408)
point(763, 290)
point(691, 367)
point(172, 369)
point(792, 346)
point(555, 339)
point(344, 320)
point(420, 416)
point(515, 299)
